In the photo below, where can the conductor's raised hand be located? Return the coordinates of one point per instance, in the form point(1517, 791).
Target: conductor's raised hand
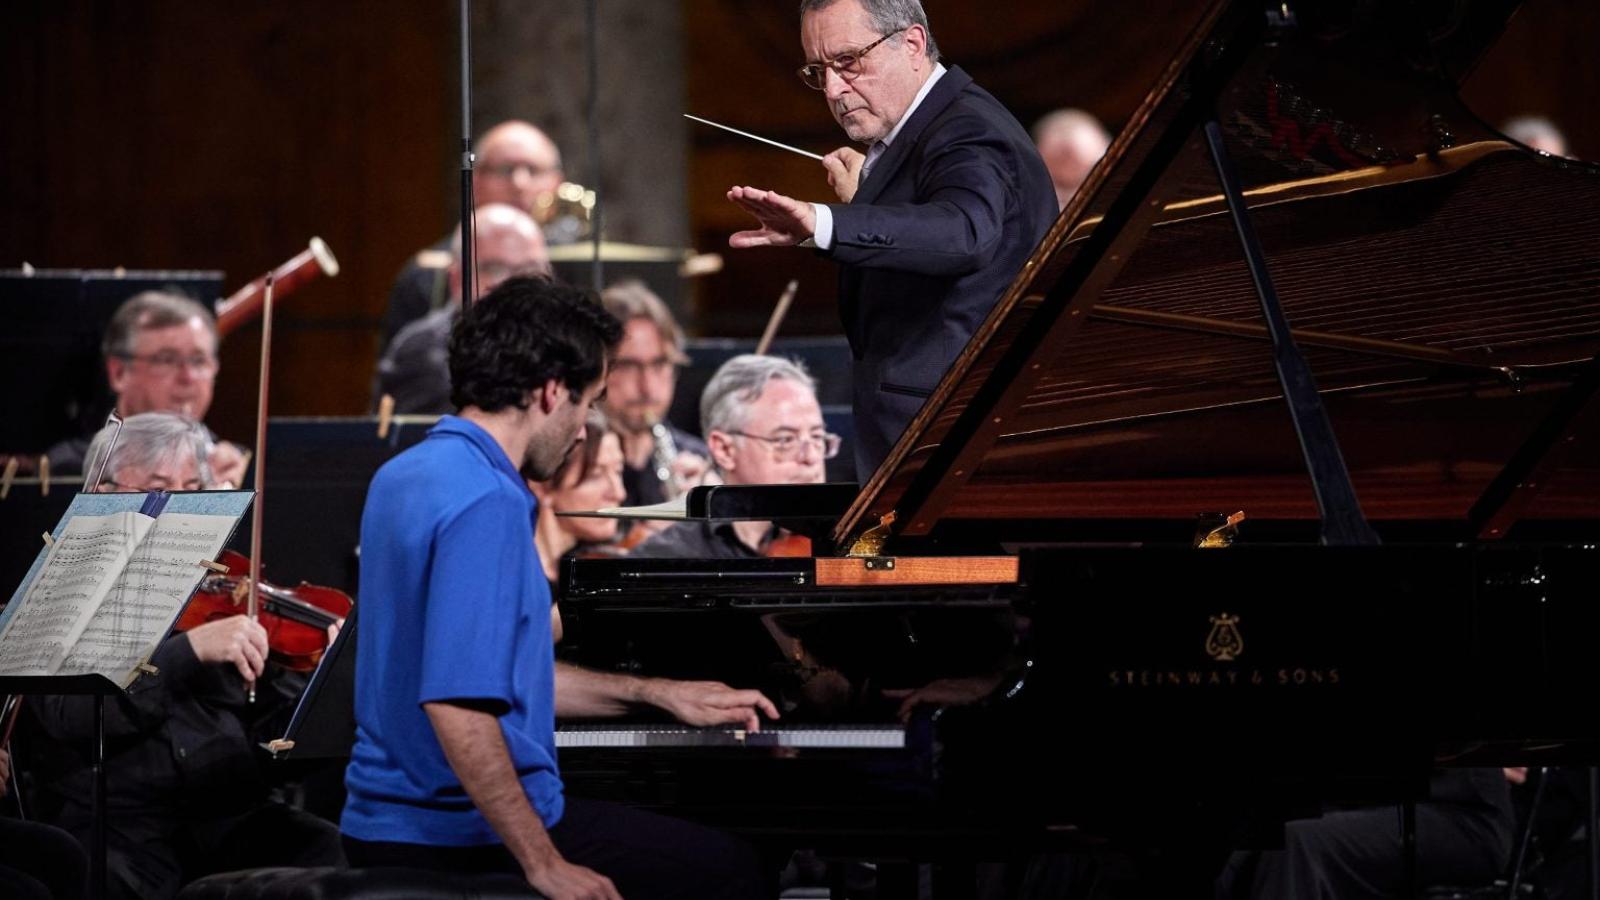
point(784, 221)
point(844, 171)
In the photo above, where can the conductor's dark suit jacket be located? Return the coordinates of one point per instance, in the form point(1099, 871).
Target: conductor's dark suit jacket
point(934, 235)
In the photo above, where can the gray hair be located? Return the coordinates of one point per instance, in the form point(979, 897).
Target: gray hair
point(630, 299)
point(887, 17)
point(724, 404)
point(151, 309)
point(148, 440)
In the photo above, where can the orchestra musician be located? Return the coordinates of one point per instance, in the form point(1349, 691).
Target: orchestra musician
point(37, 861)
point(517, 164)
point(161, 356)
point(1464, 833)
point(763, 426)
point(639, 388)
point(591, 478)
point(187, 796)
point(414, 370)
point(935, 220)
point(454, 766)
point(1070, 141)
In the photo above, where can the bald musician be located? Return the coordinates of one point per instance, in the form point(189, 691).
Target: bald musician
point(415, 369)
point(517, 164)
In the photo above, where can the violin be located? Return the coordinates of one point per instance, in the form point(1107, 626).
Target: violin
point(296, 619)
point(787, 545)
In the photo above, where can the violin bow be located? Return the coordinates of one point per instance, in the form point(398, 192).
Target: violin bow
point(253, 603)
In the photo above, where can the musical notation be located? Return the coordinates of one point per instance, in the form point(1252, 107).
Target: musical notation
point(80, 567)
point(141, 606)
point(108, 592)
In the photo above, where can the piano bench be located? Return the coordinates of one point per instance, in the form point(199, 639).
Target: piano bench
point(327, 883)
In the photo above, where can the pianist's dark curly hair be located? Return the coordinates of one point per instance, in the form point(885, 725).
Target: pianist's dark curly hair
point(524, 333)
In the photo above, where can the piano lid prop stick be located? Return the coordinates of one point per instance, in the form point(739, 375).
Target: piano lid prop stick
point(755, 137)
point(44, 474)
point(776, 319)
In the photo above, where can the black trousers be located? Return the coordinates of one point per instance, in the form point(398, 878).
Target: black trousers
point(645, 855)
point(40, 862)
point(1357, 854)
point(151, 855)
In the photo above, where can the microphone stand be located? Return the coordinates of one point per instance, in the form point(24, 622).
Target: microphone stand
point(467, 262)
point(597, 217)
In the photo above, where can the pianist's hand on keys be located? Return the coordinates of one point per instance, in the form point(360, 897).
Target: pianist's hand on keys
point(709, 703)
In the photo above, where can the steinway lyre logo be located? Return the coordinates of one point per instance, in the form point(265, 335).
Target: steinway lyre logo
point(1224, 643)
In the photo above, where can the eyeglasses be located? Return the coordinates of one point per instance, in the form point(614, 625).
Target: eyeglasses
point(169, 362)
point(509, 171)
point(787, 446)
point(195, 485)
point(848, 65)
point(659, 367)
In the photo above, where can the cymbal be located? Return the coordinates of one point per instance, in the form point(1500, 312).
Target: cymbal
point(690, 263)
point(615, 251)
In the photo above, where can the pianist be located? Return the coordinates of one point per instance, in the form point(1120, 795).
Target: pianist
point(454, 766)
point(935, 219)
point(763, 426)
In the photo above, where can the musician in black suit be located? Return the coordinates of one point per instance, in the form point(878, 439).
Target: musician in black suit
point(937, 217)
point(1464, 833)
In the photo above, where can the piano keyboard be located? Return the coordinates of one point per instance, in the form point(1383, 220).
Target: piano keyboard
point(821, 737)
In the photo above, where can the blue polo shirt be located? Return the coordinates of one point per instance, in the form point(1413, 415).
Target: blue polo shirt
point(454, 607)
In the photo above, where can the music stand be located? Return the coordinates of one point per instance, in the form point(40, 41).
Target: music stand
point(99, 687)
point(324, 722)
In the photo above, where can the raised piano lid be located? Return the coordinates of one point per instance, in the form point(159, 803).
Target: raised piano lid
point(1444, 286)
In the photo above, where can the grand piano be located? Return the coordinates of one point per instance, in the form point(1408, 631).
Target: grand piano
point(1305, 284)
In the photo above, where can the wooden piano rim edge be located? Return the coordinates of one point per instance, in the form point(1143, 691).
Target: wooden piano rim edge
point(916, 570)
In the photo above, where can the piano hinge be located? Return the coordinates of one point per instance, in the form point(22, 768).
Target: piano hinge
point(878, 563)
point(871, 542)
point(1216, 531)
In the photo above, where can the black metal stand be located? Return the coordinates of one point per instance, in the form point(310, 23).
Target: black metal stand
point(467, 262)
point(80, 685)
point(1408, 848)
point(1593, 840)
point(1342, 520)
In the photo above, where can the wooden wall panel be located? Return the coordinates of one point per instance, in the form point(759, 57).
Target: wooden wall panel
point(174, 134)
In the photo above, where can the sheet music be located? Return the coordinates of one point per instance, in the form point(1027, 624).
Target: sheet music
point(81, 567)
point(145, 601)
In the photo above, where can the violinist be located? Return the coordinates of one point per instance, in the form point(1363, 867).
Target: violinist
point(160, 354)
point(763, 426)
point(187, 794)
point(590, 478)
